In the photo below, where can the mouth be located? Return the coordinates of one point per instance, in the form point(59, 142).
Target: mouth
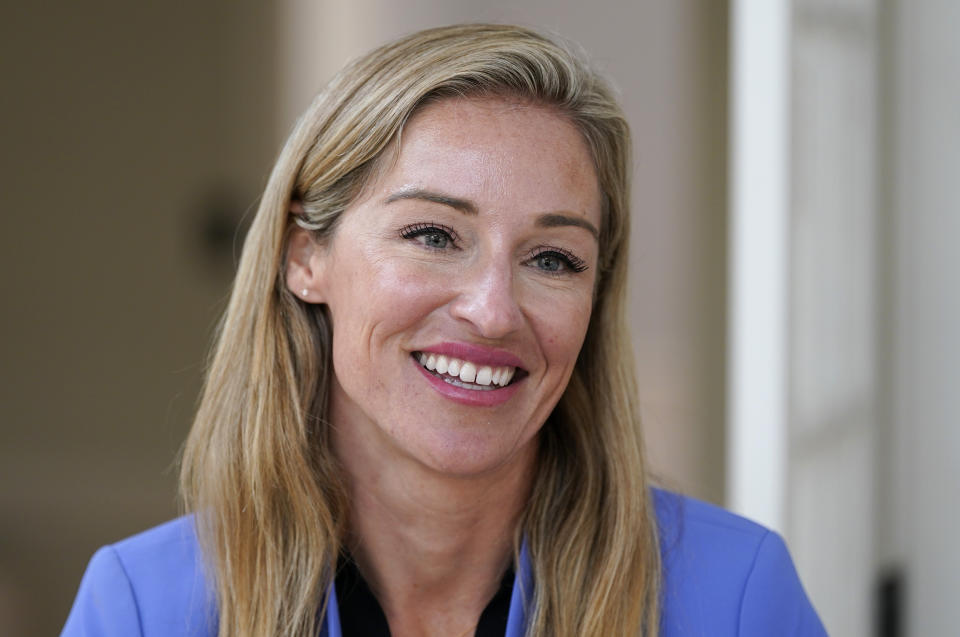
point(466, 374)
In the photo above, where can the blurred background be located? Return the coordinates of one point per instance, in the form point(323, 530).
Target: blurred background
point(795, 295)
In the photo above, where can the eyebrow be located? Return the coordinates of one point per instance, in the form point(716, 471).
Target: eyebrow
point(546, 220)
point(425, 195)
point(555, 220)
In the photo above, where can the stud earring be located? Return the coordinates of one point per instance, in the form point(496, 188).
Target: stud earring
point(304, 293)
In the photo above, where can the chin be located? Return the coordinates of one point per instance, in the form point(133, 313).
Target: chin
point(471, 458)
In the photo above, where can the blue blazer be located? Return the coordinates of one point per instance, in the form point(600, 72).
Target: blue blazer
point(722, 575)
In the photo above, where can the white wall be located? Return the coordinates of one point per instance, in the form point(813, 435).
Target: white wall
point(923, 510)
point(757, 354)
point(803, 345)
point(834, 300)
point(873, 288)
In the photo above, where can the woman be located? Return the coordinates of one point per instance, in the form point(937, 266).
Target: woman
point(419, 418)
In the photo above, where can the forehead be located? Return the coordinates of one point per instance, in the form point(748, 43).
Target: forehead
point(499, 154)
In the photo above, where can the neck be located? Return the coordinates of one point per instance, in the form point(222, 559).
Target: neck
point(432, 546)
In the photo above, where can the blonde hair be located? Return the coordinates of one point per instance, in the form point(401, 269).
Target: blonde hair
point(257, 467)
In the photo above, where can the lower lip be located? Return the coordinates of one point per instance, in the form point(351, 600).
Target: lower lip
point(471, 397)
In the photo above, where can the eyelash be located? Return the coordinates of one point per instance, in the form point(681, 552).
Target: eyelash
point(570, 261)
point(416, 230)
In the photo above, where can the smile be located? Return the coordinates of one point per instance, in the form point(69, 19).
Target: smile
point(465, 374)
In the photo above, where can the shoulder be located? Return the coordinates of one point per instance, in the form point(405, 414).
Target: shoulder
point(726, 575)
point(152, 583)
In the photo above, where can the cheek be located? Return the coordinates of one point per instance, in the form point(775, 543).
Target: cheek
point(379, 298)
point(405, 294)
point(561, 327)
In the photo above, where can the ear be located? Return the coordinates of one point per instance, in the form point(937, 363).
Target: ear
point(304, 267)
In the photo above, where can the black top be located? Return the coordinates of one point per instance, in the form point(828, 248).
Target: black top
point(361, 615)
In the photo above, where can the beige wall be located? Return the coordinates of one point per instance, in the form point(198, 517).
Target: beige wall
point(124, 124)
point(127, 125)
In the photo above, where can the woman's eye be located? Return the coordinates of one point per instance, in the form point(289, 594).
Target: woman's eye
point(431, 235)
point(435, 239)
point(557, 261)
point(549, 262)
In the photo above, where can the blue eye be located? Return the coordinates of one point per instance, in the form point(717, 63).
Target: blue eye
point(556, 261)
point(549, 262)
point(435, 239)
point(431, 235)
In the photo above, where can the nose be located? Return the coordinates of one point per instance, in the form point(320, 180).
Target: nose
point(487, 300)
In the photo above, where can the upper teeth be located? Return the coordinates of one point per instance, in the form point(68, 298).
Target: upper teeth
point(466, 371)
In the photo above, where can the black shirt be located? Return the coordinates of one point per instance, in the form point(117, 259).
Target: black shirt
point(361, 615)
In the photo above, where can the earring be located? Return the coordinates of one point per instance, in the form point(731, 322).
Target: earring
point(304, 293)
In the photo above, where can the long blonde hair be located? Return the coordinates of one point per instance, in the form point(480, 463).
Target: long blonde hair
point(257, 467)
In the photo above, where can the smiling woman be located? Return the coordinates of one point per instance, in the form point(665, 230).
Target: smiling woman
point(447, 254)
point(419, 418)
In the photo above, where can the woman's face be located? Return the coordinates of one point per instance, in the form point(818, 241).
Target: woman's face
point(475, 254)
